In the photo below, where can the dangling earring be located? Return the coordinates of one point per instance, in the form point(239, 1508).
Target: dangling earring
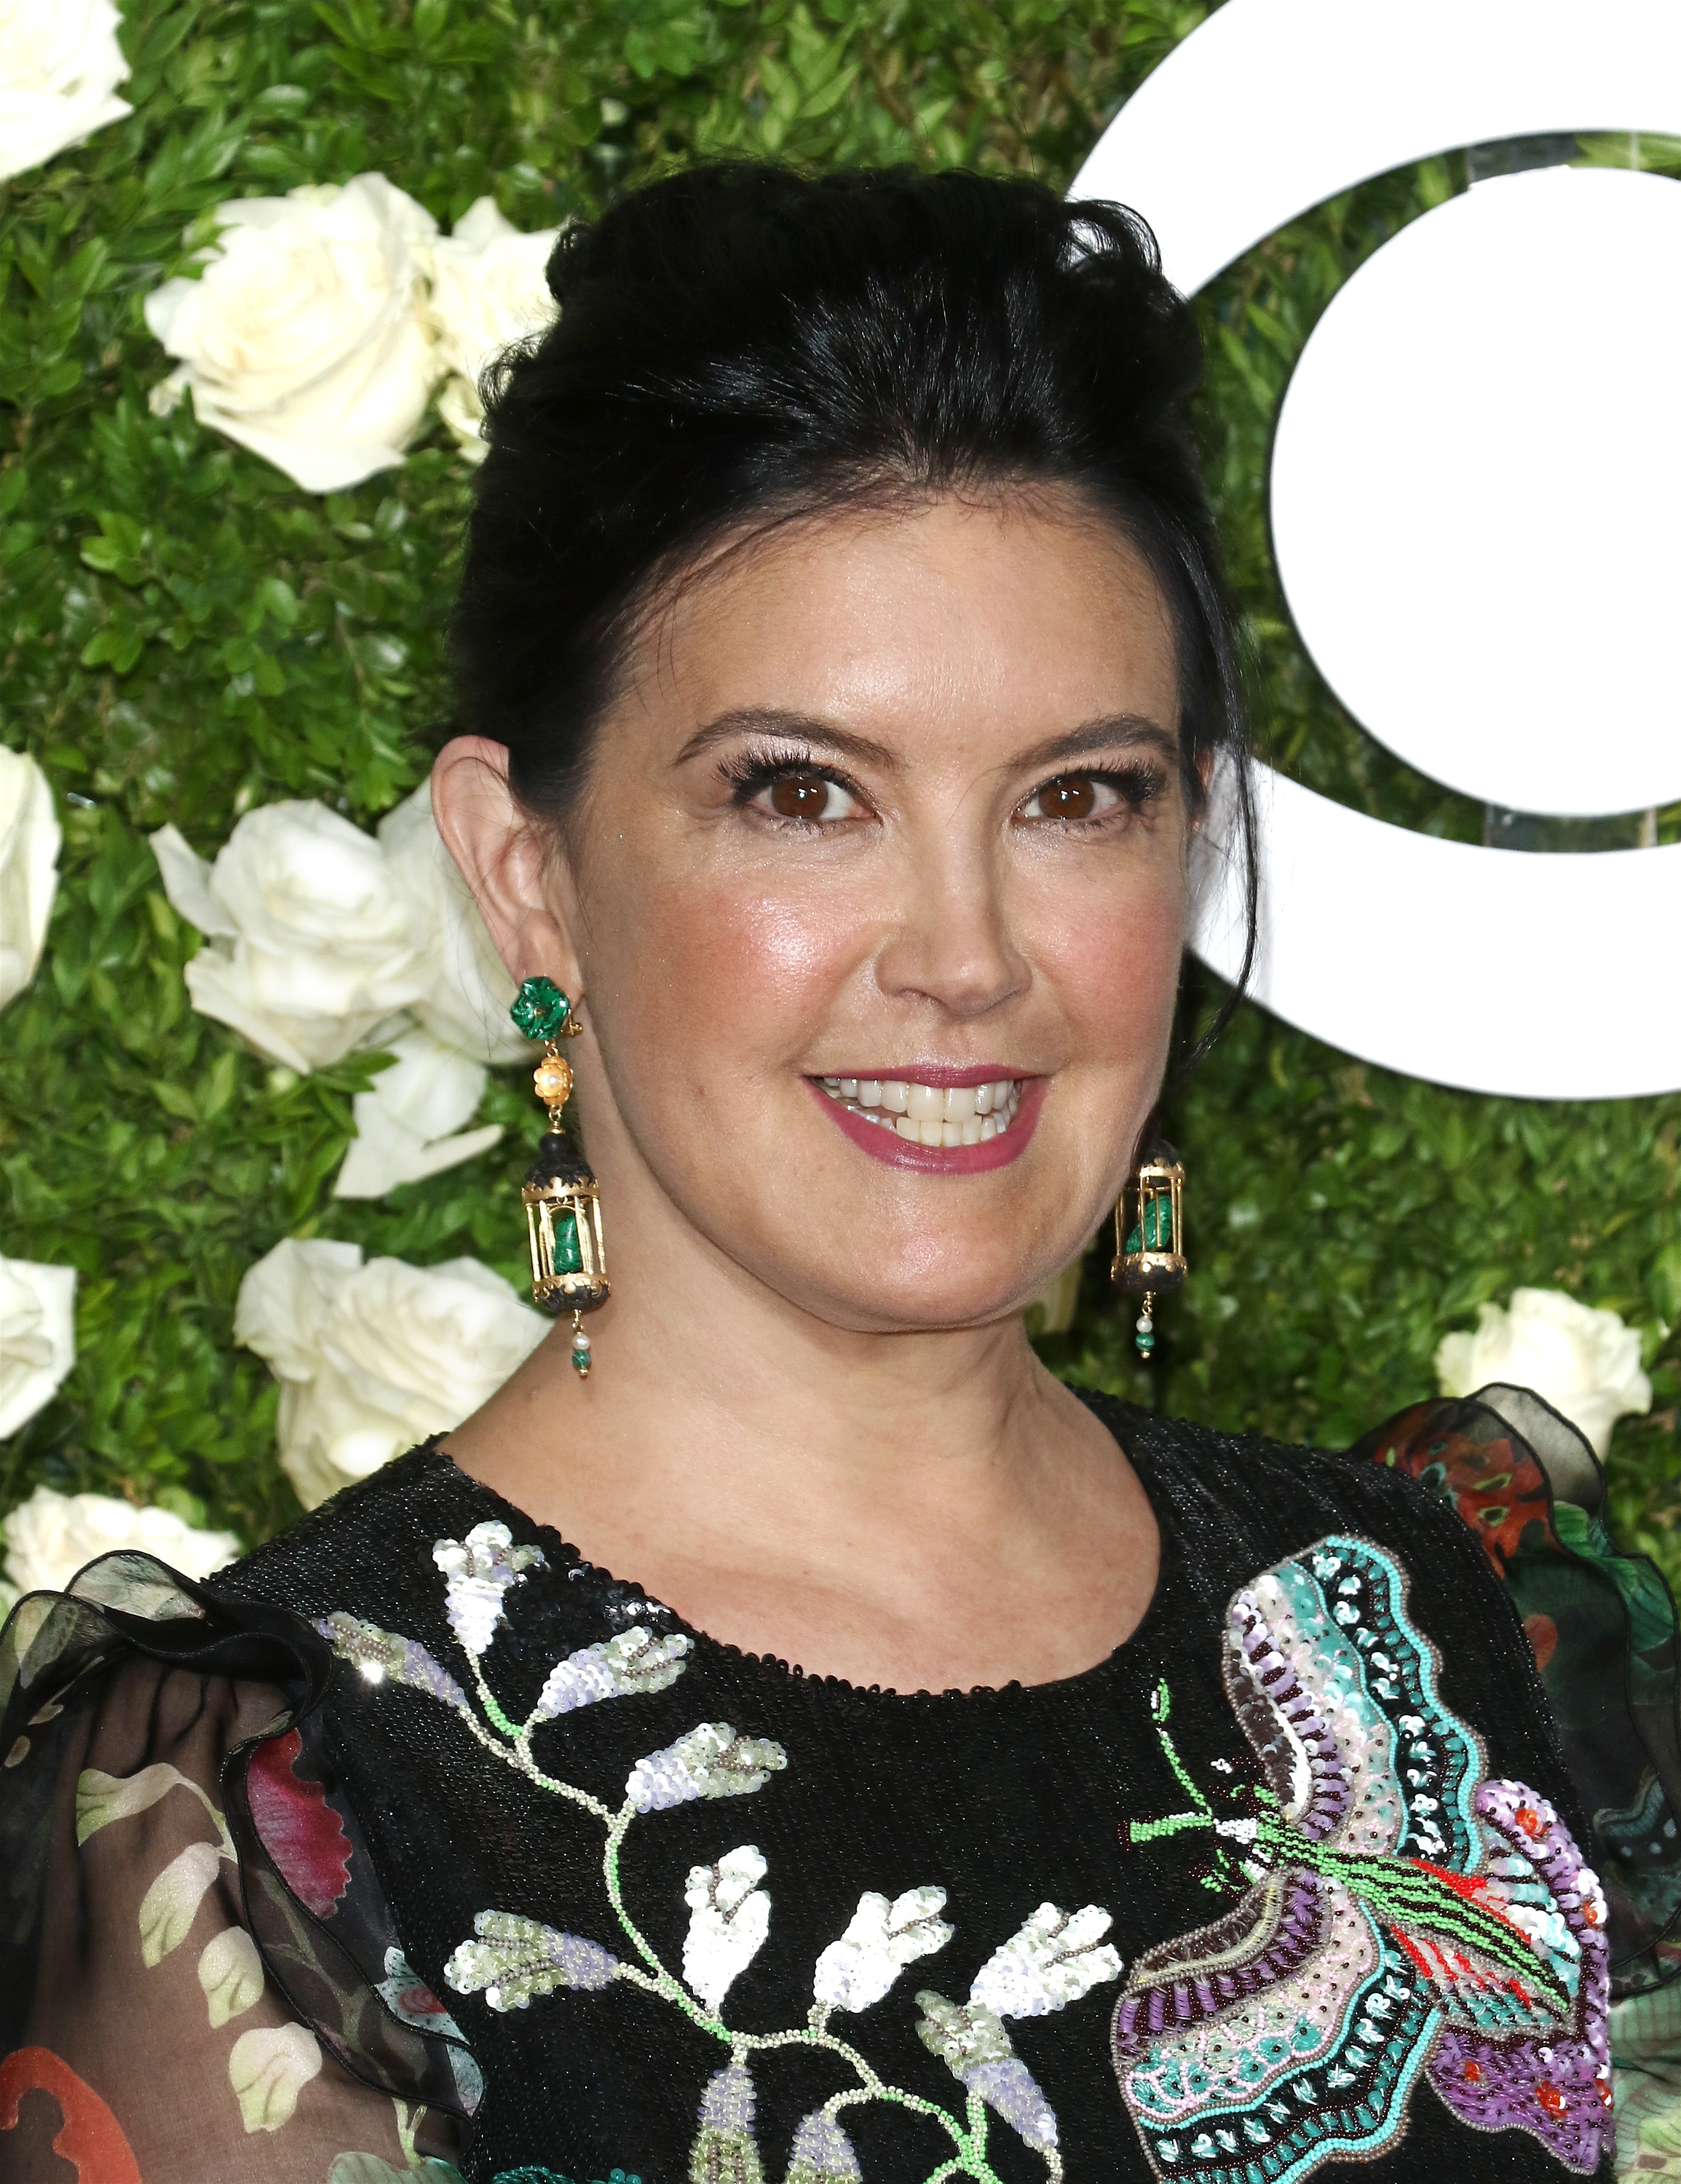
point(563, 1205)
point(1151, 1261)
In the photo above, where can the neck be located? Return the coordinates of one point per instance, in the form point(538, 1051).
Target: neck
point(835, 1497)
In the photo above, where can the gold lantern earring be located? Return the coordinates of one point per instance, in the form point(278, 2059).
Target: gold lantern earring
point(563, 1205)
point(1149, 1254)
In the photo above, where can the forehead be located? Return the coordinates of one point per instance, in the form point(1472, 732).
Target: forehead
point(1016, 615)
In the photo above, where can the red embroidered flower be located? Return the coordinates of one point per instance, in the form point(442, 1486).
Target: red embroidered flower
point(295, 1825)
point(89, 2135)
point(1500, 1490)
point(1542, 1632)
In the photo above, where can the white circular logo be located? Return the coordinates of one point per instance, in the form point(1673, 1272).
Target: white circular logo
point(1474, 484)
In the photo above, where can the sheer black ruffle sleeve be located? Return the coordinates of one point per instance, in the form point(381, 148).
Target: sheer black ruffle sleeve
point(202, 1979)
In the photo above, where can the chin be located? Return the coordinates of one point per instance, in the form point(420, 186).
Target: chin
point(930, 1300)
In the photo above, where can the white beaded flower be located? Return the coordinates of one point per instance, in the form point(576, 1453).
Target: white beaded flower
point(974, 2046)
point(729, 1920)
point(635, 1661)
point(478, 1571)
point(710, 1761)
point(880, 1941)
point(515, 1959)
point(1055, 1958)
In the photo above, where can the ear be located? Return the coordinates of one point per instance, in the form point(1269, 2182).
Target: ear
point(1204, 765)
point(518, 878)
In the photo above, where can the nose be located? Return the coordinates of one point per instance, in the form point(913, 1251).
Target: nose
point(952, 945)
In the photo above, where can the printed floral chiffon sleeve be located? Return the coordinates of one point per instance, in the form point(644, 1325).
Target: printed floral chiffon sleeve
point(159, 1820)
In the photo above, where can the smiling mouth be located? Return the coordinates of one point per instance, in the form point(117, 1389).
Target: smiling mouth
point(947, 1116)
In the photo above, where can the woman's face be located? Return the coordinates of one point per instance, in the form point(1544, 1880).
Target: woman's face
point(876, 899)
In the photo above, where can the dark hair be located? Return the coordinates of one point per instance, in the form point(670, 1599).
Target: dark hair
point(738, 344)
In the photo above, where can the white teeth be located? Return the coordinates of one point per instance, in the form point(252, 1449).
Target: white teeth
point(930, 1114)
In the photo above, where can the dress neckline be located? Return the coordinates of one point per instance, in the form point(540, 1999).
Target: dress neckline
point(566, 1561)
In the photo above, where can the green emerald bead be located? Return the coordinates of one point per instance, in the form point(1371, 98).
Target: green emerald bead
point(540, 1009)
point(581, 1359)
point(567, 1259)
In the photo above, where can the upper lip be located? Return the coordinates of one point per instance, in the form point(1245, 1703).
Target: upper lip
point(948, 1075)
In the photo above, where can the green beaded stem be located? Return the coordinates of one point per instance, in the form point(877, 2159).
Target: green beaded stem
point(540, 1009)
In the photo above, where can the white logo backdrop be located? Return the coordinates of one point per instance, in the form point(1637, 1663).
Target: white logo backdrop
point(1475, 488)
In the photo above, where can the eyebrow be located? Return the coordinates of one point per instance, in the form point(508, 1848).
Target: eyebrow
point(1105, 734)
point(794, 727)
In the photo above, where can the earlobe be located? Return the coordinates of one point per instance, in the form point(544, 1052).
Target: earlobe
point(504, 859)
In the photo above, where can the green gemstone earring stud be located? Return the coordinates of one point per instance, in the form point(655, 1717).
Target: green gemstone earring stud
point(563, 1205)
point(541, 1009)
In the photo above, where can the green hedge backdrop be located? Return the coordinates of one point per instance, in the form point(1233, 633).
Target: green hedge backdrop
point(184, 635)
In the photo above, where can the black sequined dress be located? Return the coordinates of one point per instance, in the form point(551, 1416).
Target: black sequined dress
point(414, 1844)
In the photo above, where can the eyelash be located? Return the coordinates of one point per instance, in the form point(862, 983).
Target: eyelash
point(752, 772)
point(1136, 785)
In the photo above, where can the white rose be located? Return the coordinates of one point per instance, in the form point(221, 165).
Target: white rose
point(38, 1337)
point(52, 1536)
point(59, 65)
point(314, 949)
point(404, 1126)
point(1585, 1363)
point(488, 291)
point(373, 1358)
point(29, 867)
point(467, 991)
point(306, 338)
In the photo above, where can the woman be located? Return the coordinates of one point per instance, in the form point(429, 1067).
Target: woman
point(957, 1776)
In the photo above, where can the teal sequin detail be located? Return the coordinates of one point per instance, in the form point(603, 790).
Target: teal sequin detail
point(1400, 1915)
point(554, 2177)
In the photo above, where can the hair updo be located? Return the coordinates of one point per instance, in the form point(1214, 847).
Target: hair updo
point(739, 344)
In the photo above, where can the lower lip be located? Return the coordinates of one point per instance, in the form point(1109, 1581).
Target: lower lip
point(887, 1147)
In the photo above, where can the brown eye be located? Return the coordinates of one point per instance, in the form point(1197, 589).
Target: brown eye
point(1072, 797)
point(800, 795)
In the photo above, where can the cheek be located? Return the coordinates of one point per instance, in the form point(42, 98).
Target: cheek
point(711, 974)
point(1114, 962)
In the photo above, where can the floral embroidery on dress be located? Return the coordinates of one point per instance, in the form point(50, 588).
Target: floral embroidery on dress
point(530, 2176)
point(1401, 1915)
point(88, 2135)
point(1055, 1959)
point(295, 1825)
point(269, 2067)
